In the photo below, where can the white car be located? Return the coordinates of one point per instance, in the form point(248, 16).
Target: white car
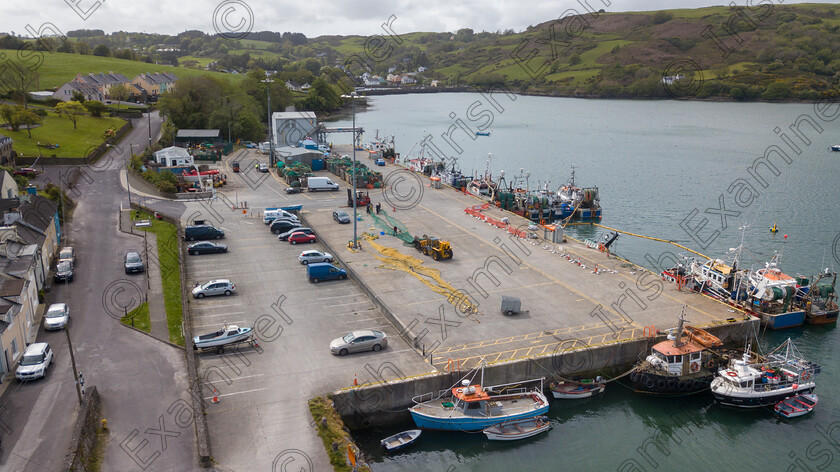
point(214, 287)
point(34, 363)
point(57, 316)
point(314, 256)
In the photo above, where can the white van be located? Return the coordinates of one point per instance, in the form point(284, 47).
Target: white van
point(273, 214)
point(263, 148)
point(320, 183)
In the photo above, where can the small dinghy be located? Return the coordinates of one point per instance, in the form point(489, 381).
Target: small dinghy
point(573, 389)
point(400, 440)
point(518, 429)
point(797, 405)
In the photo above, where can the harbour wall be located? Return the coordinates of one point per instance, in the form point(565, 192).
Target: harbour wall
point(386, 401)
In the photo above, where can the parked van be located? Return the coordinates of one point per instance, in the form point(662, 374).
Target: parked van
point(271, 214)
point(202, 232)
point(320, 183)
point(324, 271)
point(264, 148)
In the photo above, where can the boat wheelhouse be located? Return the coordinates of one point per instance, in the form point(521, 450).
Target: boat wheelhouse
point(820, 303)
point(714, 277)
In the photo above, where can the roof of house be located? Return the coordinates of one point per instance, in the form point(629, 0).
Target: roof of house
point(172, 152)
point(11, 287)
point(159, 77)
point(293, 115)
point(6, 178)
point(83, 87)
point(39, 212)
point(198, 133)
point(103, 79)
point(4, 139)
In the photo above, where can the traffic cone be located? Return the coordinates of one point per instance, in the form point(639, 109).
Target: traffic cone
point(355, 380)
point(256, 342)
point(215, 396)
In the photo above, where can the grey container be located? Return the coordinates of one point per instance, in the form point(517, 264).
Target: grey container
point(510, 305)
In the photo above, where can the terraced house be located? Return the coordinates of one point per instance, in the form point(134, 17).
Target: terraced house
point(156, 83)
point(103, 82)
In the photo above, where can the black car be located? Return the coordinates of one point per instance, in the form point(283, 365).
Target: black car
point(285, 236)
point(341, 216)
point(294, 189)
point(64, 271)
point(205, 247)
point(132, 263)
point(281, 226)
point(194, 232)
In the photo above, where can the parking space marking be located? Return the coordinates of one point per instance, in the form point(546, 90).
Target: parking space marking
point(217, 324)
point(348, 303)
point(343, 296)
point(237, 393)
point(204, 307)
point(359, 321)
point(219, 314)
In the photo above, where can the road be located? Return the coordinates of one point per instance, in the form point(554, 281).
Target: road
point(139, 378)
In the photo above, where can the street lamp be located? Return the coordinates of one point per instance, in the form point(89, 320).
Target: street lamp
point(268, 83)
point(353, 97)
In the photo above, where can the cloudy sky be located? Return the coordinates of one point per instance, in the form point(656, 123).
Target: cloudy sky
point(311, 17)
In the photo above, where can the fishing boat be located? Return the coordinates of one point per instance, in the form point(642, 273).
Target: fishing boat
point(482, 133)
point(714, 277)
point(757, 382)
point(835, 147)
point(679, 274)
point(798, 405)
point(772, 295)
point(580, 202)
point(518, 429)
point(574, 389)
point(682, 364)
point(472, 407)
point(400, 440)
point(820, 303)
point(484, 187)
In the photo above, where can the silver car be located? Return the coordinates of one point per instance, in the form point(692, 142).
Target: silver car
point(57, 316)
point(67, 254)
point(214, 287)
point(314, 256)
point(363, 340)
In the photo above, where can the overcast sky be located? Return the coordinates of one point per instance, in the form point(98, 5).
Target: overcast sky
point(311, 17)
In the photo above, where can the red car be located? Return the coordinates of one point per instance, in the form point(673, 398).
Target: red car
point(299, 237)
point(27, 171)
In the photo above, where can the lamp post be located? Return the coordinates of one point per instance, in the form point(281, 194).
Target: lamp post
point(268, 83)
point(352, 97)
point(149, 112)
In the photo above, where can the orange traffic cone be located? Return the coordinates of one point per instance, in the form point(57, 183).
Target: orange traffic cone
point(355, 380)
point(215, 396)
point(256, 342)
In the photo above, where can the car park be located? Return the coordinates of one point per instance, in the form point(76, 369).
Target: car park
point(202, 232)
point(314, 256)
point(63, 271)
point(301, 238)
point(302, 229)
point(357, 341)
point(281, 226)
point(214, 287)
point(341, 216)
point(133, 263)
point(205, 247)
point(292, 190)
point(324, 271)
point(56, 316)
point(34, 362)
point(67, 254)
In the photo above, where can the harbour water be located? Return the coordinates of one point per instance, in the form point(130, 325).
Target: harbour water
point(656, 163)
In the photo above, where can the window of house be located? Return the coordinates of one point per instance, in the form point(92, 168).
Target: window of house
point(14, 348)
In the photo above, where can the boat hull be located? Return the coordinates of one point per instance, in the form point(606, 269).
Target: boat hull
point(464, 423)
point(790, 319)
point(647, 382)
point(760, 399)
point(822, 317)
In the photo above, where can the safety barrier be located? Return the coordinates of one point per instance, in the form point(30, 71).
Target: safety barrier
point(476, 211)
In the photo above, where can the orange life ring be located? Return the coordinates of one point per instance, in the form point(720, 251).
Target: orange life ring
point(732, 374)
point(710, 364)
point(806, 375)
point(695, 366)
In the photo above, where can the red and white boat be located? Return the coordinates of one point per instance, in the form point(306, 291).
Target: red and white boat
point(797, 405)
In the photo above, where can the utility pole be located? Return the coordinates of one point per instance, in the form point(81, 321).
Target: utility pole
point(149, 112)
point(73, 362)
point(268, 83)
point(355, 223)
point(127, 183)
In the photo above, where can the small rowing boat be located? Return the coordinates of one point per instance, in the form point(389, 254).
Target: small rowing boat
point(400, 440)
point(573, 389)
point(797, 405)
point(518, 429)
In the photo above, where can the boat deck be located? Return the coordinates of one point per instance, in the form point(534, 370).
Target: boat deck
point(510, 406)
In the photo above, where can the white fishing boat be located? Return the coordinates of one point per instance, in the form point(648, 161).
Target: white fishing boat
point(519, 429)
point(400, 440)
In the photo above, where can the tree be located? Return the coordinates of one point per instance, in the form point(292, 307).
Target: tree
point(18, 79)
point(574, 60)
point(102, 51)
point(71, 110)
point(95, 107)
point(777, 91)
point(7, 112)
point(661, 17)
point(119, 93)
point(82, 48)
point(28, 118)
point(78, 96)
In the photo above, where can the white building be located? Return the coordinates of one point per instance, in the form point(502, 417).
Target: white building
point(289, 127)
point(174, 156)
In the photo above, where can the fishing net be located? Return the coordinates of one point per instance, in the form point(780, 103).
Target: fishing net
point(386, 223)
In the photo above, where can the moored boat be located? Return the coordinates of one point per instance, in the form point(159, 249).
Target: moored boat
point(798, 405)
point(820, 303)
point(518, 429)
point(772, 296)
point(574, 389)
point(400, 440)
point(835, 147)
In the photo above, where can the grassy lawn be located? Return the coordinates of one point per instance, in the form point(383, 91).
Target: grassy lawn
point(139, 318)
point(60, 67)
point(55, 130)
point(170, 268)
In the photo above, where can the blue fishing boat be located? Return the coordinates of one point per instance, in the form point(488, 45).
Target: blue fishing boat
point(482, 133)
point(471, 407)
point(292, 208)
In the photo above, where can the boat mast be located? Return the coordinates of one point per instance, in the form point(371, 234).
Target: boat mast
point(678, 337)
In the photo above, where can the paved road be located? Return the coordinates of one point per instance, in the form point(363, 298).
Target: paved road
point(139, 378)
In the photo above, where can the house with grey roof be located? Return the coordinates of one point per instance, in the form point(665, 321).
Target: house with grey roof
point(88, 91)
point(156, 83)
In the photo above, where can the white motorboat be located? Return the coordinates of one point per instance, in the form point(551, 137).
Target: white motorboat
point(229, 334)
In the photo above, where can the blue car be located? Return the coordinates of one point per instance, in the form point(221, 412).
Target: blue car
point(324, 271)
point(380, 162)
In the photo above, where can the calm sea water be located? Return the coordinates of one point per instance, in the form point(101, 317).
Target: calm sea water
point(655, 162)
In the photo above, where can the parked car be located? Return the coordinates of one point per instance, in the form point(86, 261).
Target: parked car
point(64, 271)
point(67, 254)
point(324, 271)
point(56, 317)
point(271, 215)
point(133, 263)
point(314, 256)
point(380, 162)
point(291, 190)
point(320, 183)
point(301, 238)
point(341, 216)
point(235, 166)
point(281, 226)
point(199, 232)
point(205, 247)
point(285, 236)
point(362, 340)
point(263, 167)
point(250, 145)
point(26, 171)
point(33, 365)
point(214, 287)
point(323, 148)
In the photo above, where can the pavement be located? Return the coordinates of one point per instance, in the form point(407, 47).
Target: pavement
point(142, 381)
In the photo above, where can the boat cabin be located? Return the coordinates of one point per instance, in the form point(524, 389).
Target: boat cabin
point(718, 272)
point(683, 356)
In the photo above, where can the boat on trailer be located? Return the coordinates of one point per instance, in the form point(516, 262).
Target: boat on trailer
point(400, 440)
point(468, 406)
point(574, 389)
point(519, 429)
point(228, 335)
point(798, 405)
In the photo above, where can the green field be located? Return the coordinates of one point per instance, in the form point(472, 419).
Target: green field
point(59, 67)
point(54, 130)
